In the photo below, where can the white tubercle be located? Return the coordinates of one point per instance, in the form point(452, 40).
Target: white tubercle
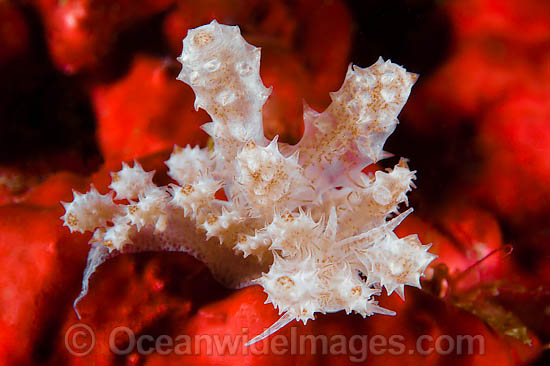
point(185, 165)
point(268, 181)
point(89, 211)
point(128, 183)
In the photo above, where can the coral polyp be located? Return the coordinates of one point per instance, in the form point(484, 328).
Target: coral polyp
point(302, 221)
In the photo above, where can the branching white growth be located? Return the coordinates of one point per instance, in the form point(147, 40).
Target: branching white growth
point(302, 221)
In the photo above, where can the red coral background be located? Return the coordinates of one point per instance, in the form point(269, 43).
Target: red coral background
point(87, 84)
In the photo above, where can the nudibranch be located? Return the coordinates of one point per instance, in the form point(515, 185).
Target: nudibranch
point(302, 221)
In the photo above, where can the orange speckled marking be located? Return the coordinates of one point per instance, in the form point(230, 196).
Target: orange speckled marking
point(203, 38)
point(211, 220)
point(187, 189)
point(71, 219)
point(285, 282)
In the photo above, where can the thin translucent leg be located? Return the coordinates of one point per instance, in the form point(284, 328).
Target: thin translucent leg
point(284, 320)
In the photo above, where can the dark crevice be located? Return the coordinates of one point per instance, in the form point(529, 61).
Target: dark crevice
point(47, 119)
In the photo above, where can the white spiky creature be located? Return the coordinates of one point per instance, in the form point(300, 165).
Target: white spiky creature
point(302, 221)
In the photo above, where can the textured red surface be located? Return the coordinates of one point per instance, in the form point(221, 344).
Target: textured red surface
point(81, 32)
point(494, 84)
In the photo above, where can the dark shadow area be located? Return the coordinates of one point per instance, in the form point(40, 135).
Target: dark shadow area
point(417, 35)
point(46, 118)
point(144, 37)
point(411, 33)
point(442, 164)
